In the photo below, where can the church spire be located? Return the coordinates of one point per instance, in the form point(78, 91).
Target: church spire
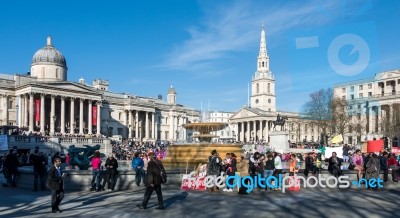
point(263, 59)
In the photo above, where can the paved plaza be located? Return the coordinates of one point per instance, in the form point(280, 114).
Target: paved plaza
point(17, 202)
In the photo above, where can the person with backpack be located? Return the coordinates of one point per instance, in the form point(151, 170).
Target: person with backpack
point(153, 182)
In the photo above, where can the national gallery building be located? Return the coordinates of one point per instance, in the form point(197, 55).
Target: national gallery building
point(45, 102)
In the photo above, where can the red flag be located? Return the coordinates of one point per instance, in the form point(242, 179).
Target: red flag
point(37, 110)
point(94, 115)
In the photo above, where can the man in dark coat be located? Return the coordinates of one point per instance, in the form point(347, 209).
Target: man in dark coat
point(111, 166)
point(39, 169)
point(153, 182)
point(56, 184)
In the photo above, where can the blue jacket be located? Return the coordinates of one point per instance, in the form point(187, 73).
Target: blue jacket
point(136, 162)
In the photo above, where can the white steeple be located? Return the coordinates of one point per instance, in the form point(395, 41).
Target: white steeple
point(263, 82)
point(49, 43)
point(263, 58)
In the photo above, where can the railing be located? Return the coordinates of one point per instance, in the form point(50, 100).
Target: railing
point(56, 139)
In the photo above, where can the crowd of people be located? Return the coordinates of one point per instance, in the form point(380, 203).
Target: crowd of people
point(126, 149)
point(367, 165)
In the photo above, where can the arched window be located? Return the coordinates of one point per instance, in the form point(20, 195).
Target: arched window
point(257, 88)
point(263, 64)
point(269, 88)
point(259, 64)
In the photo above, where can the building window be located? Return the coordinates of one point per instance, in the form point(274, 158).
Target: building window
point(343, 97)
point(369, 94)
point(269, 100)
point(269, 88)
point(166, 122)
point(57, 73)
point(120, 116)
point(370, 86)
point(359, 106)
point(352, 96)
point(257, 88)
point(360, 87)
point(360, 95)
point(263, 64)
point(350, 107)
point(269, 109)
point(256, 101)
point(222, 133)
point(352, 89)
point(343, 90)
point(359, 116)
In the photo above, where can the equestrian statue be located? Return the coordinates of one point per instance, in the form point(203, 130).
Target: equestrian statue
point(280, 121)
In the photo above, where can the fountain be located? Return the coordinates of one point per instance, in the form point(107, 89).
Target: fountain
point(190, 155)
point(204, 129)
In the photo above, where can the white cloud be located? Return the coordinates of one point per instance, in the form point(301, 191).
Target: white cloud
point(236, 28)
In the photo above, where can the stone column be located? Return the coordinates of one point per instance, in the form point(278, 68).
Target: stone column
point(241, 133)
point(72, 117)
point(42, 114)
point(248, 132)
point(31, 114)
point(156, 130)
point(52, 114)
point(90, 115)
point(147, 125)
point(98, 118)
point(130, 124)
point(171, 126)
point(137, 124)
point(26, 107)
point(5, 109)
point(62, 115)
point(391, 117)
point(266, 135)
point(81, 100)
point(184, 130)
point(126, 127)
point(18, 114)
point(261, 130)
point(153, 128)
point(255, 130)
point(371, 120)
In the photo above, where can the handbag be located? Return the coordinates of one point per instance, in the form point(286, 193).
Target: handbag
point(163, 174)
point(371, 169)
point(351, 166)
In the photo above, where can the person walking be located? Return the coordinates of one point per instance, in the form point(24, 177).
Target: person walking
point(56, 184)
point(153, 182)
point(111, 167)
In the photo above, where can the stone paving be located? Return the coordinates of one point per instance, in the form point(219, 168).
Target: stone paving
point(17, 202)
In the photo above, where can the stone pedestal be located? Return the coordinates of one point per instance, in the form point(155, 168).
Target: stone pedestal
point(279, 141)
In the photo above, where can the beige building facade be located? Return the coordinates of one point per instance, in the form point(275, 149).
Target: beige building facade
point(45, 102)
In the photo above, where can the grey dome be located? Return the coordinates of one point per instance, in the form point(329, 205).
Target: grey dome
point(49, 55)
point(172, 91)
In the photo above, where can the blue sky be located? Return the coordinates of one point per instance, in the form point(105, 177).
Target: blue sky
point(206, 49)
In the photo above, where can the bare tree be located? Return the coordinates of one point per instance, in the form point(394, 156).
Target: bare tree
point(390, 125)
point(319, 110)
point(342, 116)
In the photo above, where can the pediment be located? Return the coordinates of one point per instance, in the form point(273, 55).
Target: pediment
point(244, 113)
point(68, 87)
